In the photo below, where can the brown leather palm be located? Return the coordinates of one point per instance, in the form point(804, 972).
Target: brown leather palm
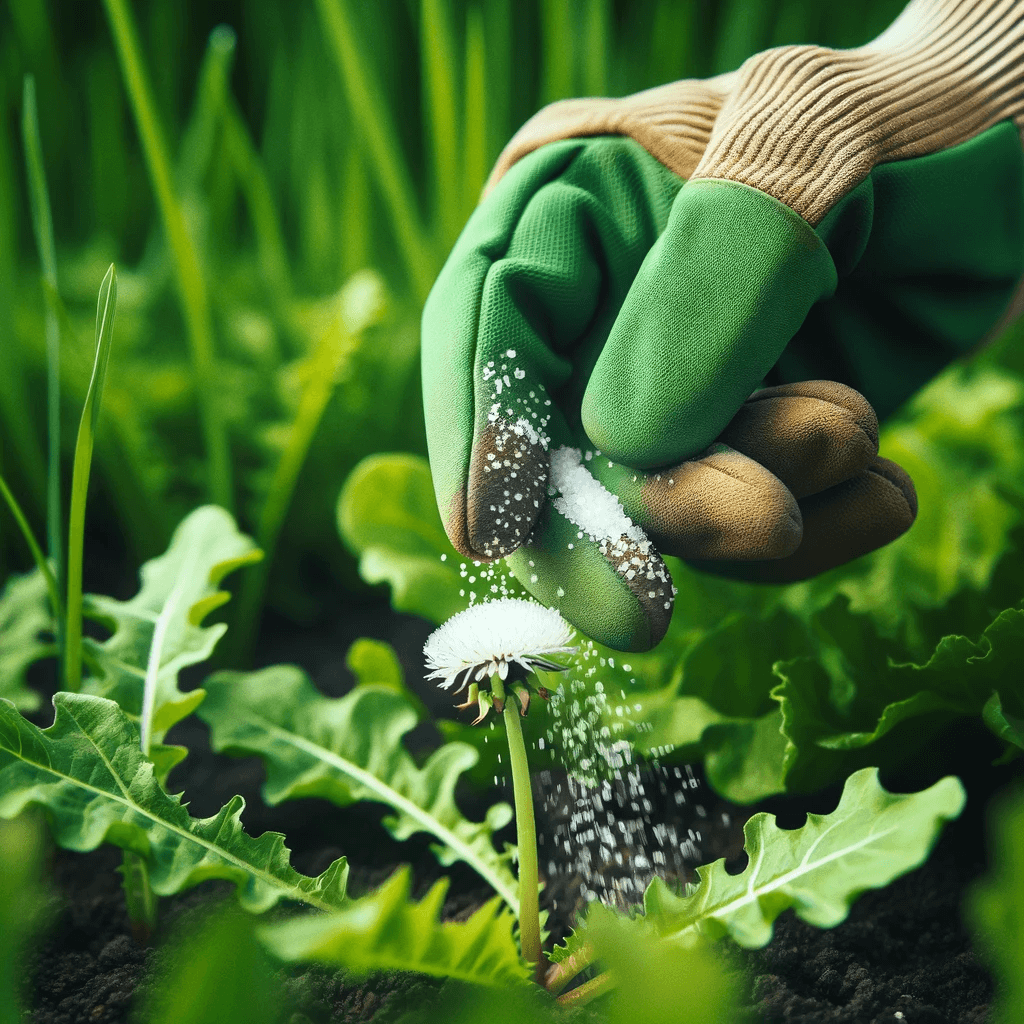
point(794, 486)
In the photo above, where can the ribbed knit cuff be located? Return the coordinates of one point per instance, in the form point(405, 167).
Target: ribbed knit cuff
point(806, 124)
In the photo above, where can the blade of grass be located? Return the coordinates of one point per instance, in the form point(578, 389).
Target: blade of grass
point(255, 185)
point(42, 223)
point(595, 48)
point(200, 133)
point(498, 32)
point(474, 158)
point(559, 50)
point(33, 545)
point(335, 346)
point(437, 62)
point(14, 400)
point(381, 140)
point(355, 213)
point(105, 306)
point(191, 285)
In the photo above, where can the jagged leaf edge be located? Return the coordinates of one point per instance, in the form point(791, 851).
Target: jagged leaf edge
point(102, 745)
point(172, 704)
point(685, 919)
point(386, 931)
point(237, 727)
point(24, 613)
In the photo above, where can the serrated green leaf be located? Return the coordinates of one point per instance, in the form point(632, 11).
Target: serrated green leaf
point(88, 772)
point(872, 837)
point(387, 515)
point(350, 749)
point(25, 614)
point(385, 931)
point(159, 632)
point(995, 909)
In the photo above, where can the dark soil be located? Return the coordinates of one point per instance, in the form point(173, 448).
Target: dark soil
point(903, 954)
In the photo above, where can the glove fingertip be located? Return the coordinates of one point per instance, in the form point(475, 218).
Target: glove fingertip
point(900, 479)
point(508, 479)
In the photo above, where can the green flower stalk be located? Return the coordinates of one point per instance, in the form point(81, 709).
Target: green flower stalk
point(501, 640)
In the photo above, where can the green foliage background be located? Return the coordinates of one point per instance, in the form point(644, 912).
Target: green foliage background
point(306, 143)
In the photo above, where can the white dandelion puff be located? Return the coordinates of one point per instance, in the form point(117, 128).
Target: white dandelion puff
point(486, 639)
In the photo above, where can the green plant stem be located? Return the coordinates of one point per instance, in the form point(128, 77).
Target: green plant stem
point(192, 287)
point(526, 830)
point(562, 973)
point(33, 545)
point(139, 897)
point(587, 992)
point(42, 222)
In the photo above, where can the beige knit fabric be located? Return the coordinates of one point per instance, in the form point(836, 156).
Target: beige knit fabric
point(672, 122)
point(806, 124)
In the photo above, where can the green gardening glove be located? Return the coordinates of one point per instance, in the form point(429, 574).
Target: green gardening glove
point(594, 348)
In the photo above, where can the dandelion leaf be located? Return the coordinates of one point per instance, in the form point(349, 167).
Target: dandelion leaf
point(871, 838)
point(88, 772)
point(160, 629)
point(387, 515)
point(387, 931)
point(351, 749)
point(25, 615)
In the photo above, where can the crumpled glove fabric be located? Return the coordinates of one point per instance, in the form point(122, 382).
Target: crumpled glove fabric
point(675, 284)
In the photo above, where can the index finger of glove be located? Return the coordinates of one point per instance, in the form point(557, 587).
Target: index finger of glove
point(540, 270)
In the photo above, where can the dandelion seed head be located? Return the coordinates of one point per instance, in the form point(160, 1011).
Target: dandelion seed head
point(488, 638)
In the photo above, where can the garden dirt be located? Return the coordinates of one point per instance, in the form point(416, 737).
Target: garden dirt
point(903, 955)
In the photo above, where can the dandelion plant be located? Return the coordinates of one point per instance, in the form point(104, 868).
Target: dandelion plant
point(505, 640)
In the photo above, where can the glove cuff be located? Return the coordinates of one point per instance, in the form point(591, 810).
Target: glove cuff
point(807, 124)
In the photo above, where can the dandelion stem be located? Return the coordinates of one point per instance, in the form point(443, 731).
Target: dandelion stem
point(526, 831)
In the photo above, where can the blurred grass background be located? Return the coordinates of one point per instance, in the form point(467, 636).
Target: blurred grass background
point(278, 184)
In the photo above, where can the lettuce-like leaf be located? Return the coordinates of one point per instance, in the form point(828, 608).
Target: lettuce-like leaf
point(387, 515)
point(159, 631)
point(834, 706)
point(88, 772)
point(386, 931)
point(995, 909)
point(350, 749)
point(25, 615)
point(871, 838)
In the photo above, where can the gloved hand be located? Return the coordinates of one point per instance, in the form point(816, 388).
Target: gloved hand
point(851, 215)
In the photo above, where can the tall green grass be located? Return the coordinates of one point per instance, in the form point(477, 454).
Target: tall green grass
point(239, 175)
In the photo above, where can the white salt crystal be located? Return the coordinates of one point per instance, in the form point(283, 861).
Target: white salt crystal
point(586, 503)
